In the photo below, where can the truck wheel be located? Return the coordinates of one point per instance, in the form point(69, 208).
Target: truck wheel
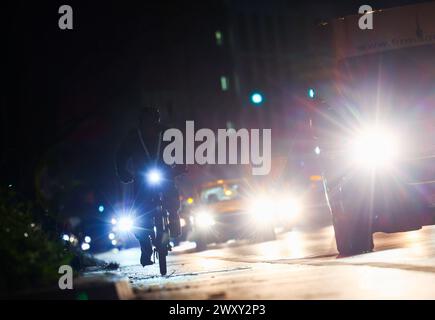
point(352, 220)
point(353, 233)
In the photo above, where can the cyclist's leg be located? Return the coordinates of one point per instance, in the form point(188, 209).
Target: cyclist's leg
point(142, 232)
point(144, 225)
point(172, 204)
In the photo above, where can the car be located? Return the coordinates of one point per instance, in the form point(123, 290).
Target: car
point(186, 204)
point(301, 181)
point(227, 209)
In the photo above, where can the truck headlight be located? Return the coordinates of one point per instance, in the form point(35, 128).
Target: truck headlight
point(374, 148)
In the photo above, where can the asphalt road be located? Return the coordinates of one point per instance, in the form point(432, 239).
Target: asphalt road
point(301, 264)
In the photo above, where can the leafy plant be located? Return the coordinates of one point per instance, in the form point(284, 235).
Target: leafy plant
point(30, 256)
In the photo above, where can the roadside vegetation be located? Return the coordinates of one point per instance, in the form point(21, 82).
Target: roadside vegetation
point(30, 249)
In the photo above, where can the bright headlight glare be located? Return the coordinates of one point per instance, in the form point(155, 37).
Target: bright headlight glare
point(125, 224)
point(154, 176)
point(204, 220)
point(262, 208)
point(374, 148)
point(289, 205)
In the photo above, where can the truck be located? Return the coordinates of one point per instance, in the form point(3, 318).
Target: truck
point(373, 124)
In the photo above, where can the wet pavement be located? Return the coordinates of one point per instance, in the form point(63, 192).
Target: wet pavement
point(300, 264)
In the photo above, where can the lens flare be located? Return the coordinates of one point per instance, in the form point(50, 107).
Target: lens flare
point(204, 219)
point(154, 176)
point(125, 224)
point(262, 209)
point(374, 148)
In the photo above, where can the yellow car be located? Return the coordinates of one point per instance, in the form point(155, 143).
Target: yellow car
point(227, 209)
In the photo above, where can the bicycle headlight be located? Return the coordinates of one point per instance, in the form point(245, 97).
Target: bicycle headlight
point(154, 176)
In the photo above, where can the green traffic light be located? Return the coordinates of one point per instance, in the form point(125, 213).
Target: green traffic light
point(311, 93)
point(257, 98)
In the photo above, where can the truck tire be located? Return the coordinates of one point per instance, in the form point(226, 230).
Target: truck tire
point(353, 231)
point(352, 219)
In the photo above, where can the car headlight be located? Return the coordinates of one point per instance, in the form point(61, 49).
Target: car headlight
point(125, 223)
point(262, 208)
point(289, 206)
point(204, 219)
point(374, 148)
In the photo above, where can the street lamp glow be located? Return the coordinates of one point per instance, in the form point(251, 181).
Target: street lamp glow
point(111, 236)
point(85, 246)
point(65, 237)
point(87, 239)
point(101, 208)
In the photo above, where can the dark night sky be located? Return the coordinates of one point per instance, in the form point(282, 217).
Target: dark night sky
point(72, 88)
